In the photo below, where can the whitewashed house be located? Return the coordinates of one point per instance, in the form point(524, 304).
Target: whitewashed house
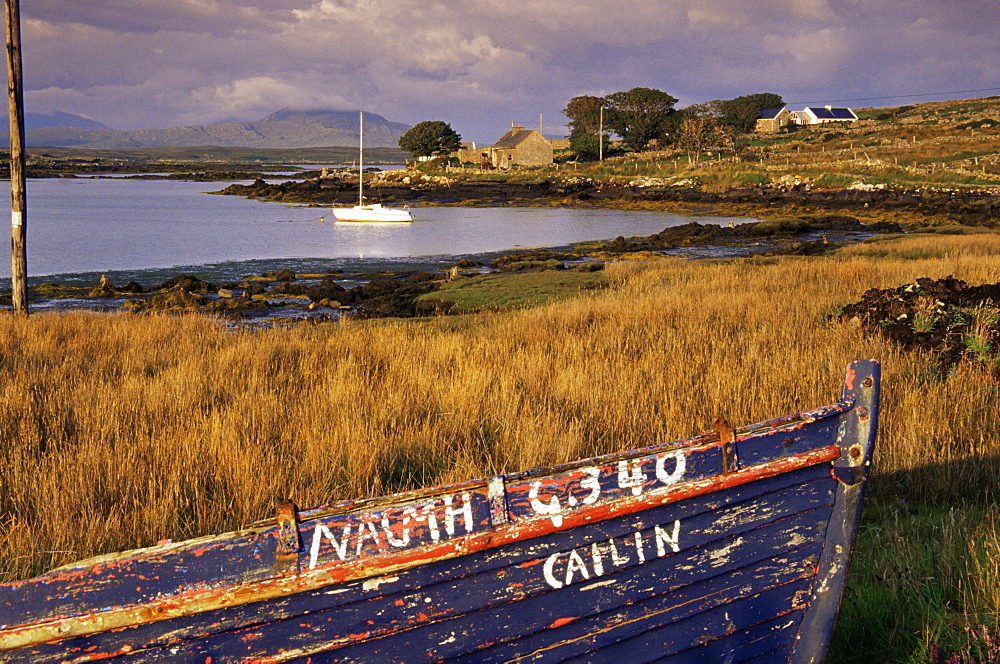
point(814, 115)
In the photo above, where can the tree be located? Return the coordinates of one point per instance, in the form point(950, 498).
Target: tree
point(430, 138)
point(640, 115)
point(701, 129)
point(586, 146)
point(584, 113)
point(741, 113)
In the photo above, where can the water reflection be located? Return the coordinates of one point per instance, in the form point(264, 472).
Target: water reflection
point(88, 226)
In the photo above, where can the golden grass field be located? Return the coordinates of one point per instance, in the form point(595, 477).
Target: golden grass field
point(122, 430)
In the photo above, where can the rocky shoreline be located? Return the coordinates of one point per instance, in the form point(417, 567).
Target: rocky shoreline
point(789, 197)
point(284, 297)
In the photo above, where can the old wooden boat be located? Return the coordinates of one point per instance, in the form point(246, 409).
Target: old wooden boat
point(728, 547)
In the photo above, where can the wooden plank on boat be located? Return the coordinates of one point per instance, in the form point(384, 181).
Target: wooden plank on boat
point(732, 545)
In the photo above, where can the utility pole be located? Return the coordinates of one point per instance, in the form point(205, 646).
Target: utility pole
point(18, 197)
point(600, 136)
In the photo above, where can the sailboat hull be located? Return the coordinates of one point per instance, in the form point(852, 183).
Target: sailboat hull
point(375, 213)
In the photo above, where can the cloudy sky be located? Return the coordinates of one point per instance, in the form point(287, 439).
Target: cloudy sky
point(482, 64)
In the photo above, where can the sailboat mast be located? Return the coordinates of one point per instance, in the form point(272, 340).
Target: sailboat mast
point(361, 158)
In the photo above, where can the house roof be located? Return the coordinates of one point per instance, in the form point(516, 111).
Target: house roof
point(769, 113)
point(830, 113)
point(515, 137)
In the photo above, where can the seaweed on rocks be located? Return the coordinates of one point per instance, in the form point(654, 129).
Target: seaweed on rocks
point(540, 256)
point(947, 317)
point(696, 234)
point(383, 297)
point(329, 290)
point(187, 282)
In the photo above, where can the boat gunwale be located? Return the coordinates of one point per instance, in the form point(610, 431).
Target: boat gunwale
point(746, 432)
point(347, 507)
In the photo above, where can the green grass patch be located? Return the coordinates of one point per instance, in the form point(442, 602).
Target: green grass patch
point(752, 178)
point(500, 292)
point(967, 154)
point(765, 142)
point(940, 178)
point(916, 605)
point(832, 181)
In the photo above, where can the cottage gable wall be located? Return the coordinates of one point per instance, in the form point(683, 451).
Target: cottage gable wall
point(772, 120)
point(518, 147)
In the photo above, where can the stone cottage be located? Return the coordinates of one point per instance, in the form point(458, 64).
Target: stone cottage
point(518, 147)
point(771, 120)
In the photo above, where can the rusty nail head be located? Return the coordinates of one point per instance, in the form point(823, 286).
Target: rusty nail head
point(868, 382)
point(855, 452)
point(863, 411)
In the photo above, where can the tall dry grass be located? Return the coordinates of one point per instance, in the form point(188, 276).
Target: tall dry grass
point(123, 430)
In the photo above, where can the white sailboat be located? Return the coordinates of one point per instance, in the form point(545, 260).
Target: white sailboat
point(374, 212)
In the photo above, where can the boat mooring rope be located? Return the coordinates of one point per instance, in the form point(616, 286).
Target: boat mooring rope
point(321, 220)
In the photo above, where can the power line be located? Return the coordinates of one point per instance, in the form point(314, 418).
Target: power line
point(924, 94)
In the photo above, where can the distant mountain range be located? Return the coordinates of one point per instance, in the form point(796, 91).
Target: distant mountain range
point(286, 128)
point(34, 121)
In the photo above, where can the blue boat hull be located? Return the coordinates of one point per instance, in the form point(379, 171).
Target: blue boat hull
point(731, 546)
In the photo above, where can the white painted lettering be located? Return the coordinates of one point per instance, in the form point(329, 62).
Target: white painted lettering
point(360, 537)
point(367, 530)
point(580, 566)
point(591, 482)
point(408, 515)
point(663, 538)
point(617, 559)
point(547, 571)
point(575, 564)
point(341, 546)
point(630, 476)
point(431, 518)
point(319, 533)
point(638, 547)
point(595, 554)
point(552, 507)
point(450, 513)
point(671, 478)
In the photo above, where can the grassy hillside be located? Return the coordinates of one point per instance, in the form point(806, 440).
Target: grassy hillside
point(954, 144)
point(947, 144)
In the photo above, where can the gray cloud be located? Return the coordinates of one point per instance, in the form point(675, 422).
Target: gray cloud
point(480, 64)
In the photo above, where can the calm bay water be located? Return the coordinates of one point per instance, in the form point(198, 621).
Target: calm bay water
point(148, 230)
